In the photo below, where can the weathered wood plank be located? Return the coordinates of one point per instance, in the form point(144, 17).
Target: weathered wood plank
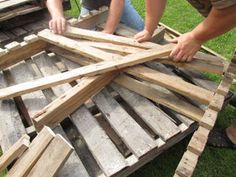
point(173, 83)
point(73, 166)
point(160, 96)
point(90, 70)
point(11, 3)
point(100, 145)
point(209, 118)
point(14, 152)
point(52, 158)
point(154, 117)
point(131, 133)
point(56, 111)
point(11, 125)
point(187, 164)
point(33, 101)
point(21, 53)
point(31, 156)
point(101, 37)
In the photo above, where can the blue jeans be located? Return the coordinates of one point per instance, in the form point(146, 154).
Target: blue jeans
point(130, 16)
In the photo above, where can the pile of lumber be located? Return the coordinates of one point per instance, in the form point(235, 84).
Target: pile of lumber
point(133, 69)
point(44, 156)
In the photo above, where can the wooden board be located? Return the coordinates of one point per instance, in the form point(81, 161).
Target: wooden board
point(36, 148)
point(10, 3)
point(11, 126)
point(14, 152)
point(53, 157)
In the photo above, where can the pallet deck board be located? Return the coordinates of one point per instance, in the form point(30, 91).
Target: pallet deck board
point(104, 151)
point(154, 117)
point(132, 134)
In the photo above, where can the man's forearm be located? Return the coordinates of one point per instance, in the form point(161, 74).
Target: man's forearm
point(154, 12)
point(218, 22)
point(55, 8)
point(115, 12)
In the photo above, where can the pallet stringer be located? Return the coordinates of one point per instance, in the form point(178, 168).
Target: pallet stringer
point(199, 139)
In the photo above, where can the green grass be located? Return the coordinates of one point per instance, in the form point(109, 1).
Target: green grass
point(214, 162)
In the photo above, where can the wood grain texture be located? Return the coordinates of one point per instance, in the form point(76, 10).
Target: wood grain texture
point(153, 116)
point(21, 53)
point(101, 37)
point(31, 156)
point(162, 97)
point(104, 151)
point(130, 132)
point(56, 111)
point(173, 83)
point(52, 158)
point(14, 152)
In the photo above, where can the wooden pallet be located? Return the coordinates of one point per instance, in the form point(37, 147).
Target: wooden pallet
point(121, 128)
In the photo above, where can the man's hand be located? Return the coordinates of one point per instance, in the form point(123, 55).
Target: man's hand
point(57, 25)
point(186, 48)
point(142, 36)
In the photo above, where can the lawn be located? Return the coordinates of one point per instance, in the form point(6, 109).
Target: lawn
point(214, 162)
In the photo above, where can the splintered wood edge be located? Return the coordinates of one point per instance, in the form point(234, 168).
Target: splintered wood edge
point(74, 21)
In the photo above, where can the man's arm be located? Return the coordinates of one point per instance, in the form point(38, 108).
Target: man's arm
point(218, 22)
point(154, 12)
point(115, 12)
point(58, 23)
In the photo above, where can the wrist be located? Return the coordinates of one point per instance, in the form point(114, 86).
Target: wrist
point(149, 31)
point(197, 37)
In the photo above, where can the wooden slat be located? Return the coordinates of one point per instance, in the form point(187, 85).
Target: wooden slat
point(11, 3)
point(187, 164)
point(90, 70)
point(162, 97)
point(52, 158)
point(104, 151)
point(21, 53)
point(34, 101)
point(14, 152)
point(56, 111)
point(217, 102)
point(31, 156)
point(11, 125)
point(20, 11)
point(209, 118)
point(197, 143)
point(173, 83)
point(101, 37)
point(198, 65)
point(154, 117)
point(130, 132)
point(75, 46)
point(93, 20)
point(120, 49)
point(73, 166)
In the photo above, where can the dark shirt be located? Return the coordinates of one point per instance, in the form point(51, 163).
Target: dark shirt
point(204, 6)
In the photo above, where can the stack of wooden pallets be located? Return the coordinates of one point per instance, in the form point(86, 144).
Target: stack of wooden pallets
point(121, 110)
